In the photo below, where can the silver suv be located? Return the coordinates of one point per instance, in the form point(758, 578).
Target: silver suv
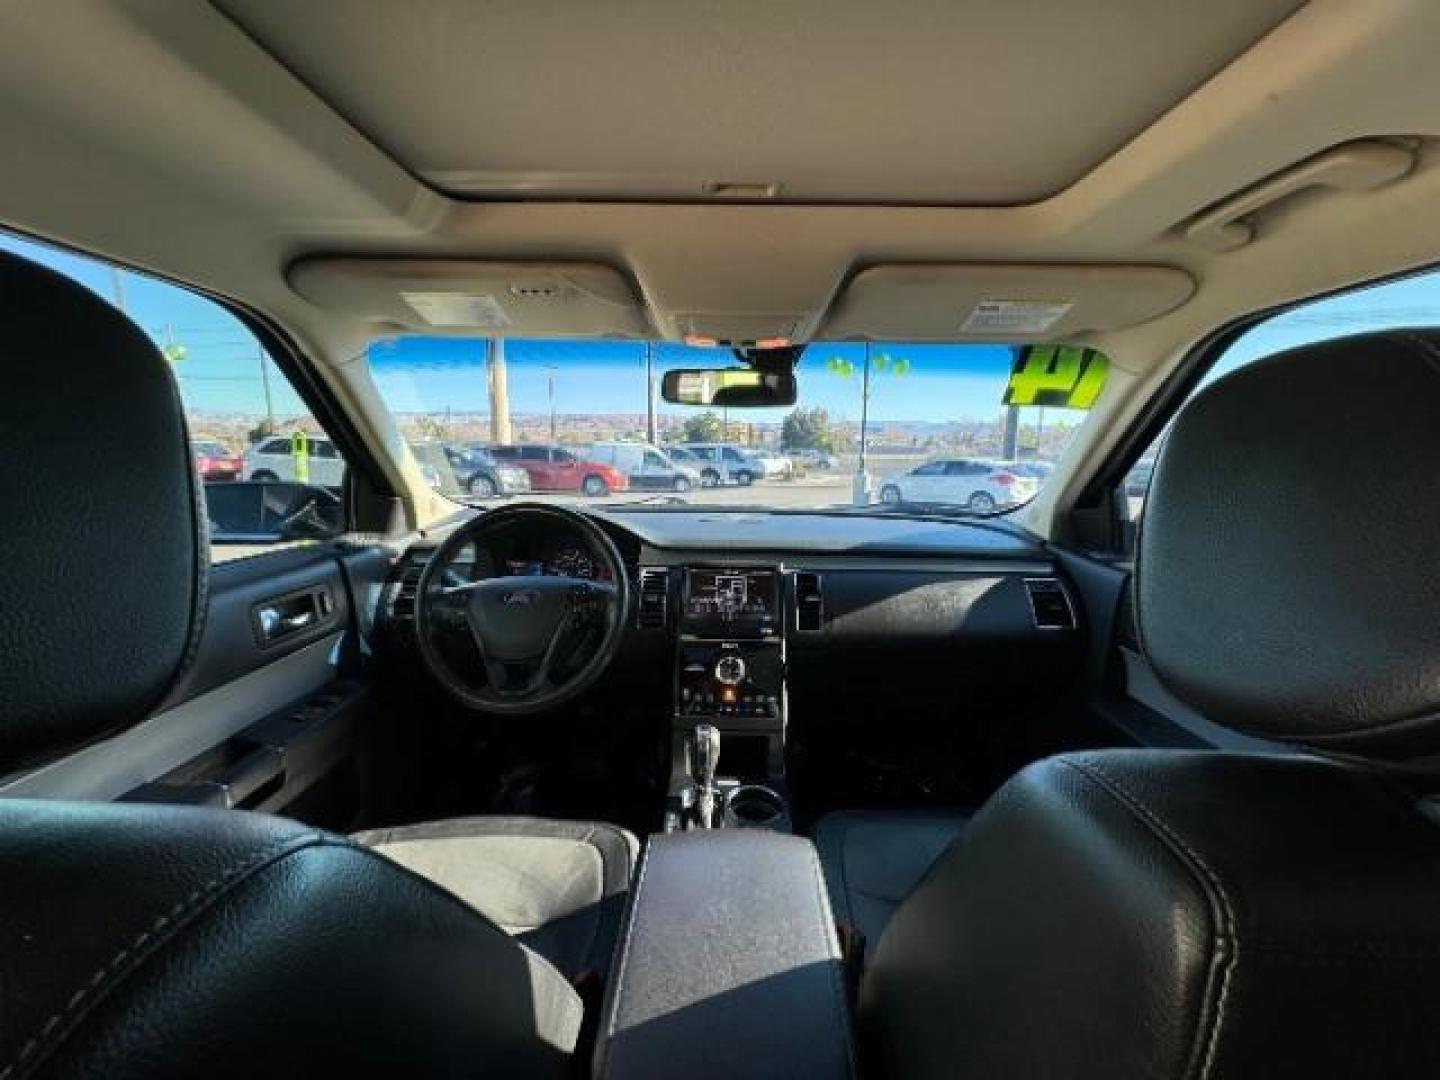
point(724, 463)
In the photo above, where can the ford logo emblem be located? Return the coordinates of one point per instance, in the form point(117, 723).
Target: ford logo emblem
point(520, 598)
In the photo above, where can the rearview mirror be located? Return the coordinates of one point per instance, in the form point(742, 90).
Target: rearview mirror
point(729, 388)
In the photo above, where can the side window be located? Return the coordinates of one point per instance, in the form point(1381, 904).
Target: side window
point(732, 455)
point(654, 460)
point(1412, 302)
point(534, 453)
point(240, 408)
point(934, 468)
point(564, 457)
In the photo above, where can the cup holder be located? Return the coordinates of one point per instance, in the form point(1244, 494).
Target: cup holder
point(751, 806)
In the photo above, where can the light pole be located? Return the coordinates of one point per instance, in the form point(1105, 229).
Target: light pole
point(499, 392)
point(117, 285)
point(265, 382)
point(860, 495)
point(650, 393)
point(550, 390)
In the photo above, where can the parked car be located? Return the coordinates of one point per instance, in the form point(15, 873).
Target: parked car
point(979, 486)
point(1040, 470)
point(725, 463)
point(776, 465)
point(648, 467)
point(481, 476)
point(214, 462)
point(274, 459)
point(554, 468)
point(809, 458)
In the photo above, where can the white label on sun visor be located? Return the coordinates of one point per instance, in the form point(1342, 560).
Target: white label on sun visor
point(1015, 316)
point(458, 309)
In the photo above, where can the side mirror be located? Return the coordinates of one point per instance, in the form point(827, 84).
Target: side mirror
point(729, 388)
point(258, 512)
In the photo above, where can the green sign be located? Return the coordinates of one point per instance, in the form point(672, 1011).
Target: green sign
point(1057, 377)
point(300, 453)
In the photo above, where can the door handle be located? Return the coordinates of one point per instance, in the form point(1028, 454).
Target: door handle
point(285, 616)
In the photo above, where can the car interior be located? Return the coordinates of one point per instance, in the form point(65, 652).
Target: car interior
point(1132, 776)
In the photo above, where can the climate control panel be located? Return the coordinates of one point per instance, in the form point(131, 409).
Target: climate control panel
point(731, 680)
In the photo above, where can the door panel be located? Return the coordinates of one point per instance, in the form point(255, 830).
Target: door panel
point(259, 723)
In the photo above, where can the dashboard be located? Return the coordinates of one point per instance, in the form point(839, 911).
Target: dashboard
point(872, 613)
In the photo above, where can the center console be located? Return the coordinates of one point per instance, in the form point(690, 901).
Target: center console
point(728, 965)
point(729, 686)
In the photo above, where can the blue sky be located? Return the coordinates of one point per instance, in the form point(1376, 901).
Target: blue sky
point(425, 374)
point(221, 371)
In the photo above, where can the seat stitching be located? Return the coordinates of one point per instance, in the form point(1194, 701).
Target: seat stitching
point(63, 1020)
point(837, 987)
point(1224, 961)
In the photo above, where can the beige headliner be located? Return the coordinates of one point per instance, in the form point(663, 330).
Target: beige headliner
point(839, 100)
point(155, 131)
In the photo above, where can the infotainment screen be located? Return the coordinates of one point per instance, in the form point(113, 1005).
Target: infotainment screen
point(732, 603)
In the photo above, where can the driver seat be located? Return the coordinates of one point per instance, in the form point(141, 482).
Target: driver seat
point(157, 941)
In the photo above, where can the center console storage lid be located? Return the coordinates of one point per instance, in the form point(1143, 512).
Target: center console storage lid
point(728, 965)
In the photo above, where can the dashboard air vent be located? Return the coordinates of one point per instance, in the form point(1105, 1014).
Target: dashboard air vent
point(1050, 604)
point(654, 594)
point(409, 580)
point(809, 603)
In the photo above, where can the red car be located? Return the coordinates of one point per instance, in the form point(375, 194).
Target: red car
point(214, 462)
point(553, 468)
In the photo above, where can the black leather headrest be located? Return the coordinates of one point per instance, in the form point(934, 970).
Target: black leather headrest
point(1288, 583)
point(102, 579)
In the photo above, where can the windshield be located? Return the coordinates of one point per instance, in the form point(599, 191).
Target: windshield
point(875, 429)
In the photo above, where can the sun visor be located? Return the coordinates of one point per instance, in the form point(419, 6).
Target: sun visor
point(1000, 303)
point(493, 299)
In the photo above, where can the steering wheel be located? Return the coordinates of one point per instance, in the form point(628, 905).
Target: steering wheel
point(535, 642)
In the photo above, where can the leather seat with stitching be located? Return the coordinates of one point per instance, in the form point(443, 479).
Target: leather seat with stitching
point(167, 942)
point(1192, 913)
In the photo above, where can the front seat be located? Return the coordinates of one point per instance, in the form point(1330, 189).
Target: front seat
point(1180, 913)
point(156, 942)
point(873, 859)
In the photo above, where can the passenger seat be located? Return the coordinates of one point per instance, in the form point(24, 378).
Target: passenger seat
point(873, 859)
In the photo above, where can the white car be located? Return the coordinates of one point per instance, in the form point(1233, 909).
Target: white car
point(776, 466)
point(979, 486)
point(808, 458)
point(274, 459)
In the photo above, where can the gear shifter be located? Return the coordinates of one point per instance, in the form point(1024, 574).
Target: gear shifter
point(704, 757)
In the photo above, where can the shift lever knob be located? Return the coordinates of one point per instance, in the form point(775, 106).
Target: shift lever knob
point(706, 755)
